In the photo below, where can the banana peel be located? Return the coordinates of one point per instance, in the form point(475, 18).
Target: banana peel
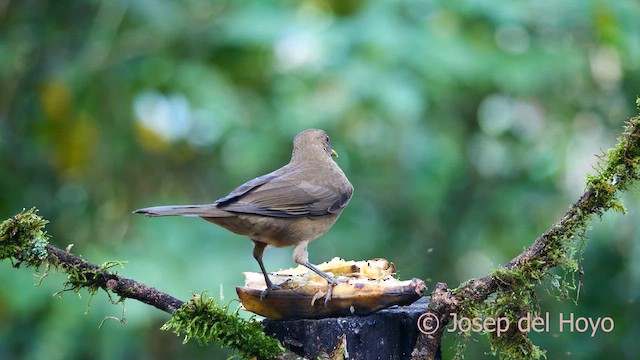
point(364, 287)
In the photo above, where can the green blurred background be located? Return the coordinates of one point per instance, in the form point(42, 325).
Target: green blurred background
point(466, 127)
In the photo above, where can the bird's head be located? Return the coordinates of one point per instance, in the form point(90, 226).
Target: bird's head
point(312, 144)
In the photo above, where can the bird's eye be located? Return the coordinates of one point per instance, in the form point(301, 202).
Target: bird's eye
point(327, 138)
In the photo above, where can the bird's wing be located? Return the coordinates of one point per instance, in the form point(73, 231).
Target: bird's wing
point(274, 196)
point(245, 188)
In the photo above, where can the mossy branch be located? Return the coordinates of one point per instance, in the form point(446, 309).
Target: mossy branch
point(82, 274)
point(24, 241)
point(508, 291)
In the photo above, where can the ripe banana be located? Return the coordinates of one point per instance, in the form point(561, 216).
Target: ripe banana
point(364, 287)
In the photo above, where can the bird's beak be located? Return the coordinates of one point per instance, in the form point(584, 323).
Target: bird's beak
point(334, 153)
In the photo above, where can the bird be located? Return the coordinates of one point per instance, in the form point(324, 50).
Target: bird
point(290, 206)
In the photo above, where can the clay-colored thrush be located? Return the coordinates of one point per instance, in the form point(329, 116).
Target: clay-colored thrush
point(291, 206)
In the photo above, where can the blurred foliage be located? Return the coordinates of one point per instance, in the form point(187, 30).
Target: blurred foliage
point(466, 127)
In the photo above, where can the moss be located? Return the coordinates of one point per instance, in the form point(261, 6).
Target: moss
point(513, 304)
point(460, 345)
point(81, 277)
point(563, 248)
point(23, 239)
point(203, 320)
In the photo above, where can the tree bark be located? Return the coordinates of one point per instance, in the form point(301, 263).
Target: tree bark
point(385, 334)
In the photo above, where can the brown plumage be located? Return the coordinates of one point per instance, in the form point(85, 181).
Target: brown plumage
point(291, 206)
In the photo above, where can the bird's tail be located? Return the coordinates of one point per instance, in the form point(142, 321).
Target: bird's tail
point(209, 210)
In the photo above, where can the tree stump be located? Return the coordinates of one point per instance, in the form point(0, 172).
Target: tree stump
point(385, 334)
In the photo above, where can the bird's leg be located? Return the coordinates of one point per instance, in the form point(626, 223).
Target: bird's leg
point(331, 281)
point(301, 257)
point(258, 250)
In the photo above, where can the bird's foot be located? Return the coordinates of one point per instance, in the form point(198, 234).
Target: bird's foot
point(270, 287)
point(331, 280)
point(330, 284)
point(266, 291)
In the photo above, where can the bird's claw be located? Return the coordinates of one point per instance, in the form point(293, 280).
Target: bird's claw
point(271, 287)
point(330, 285)
point(266, 291)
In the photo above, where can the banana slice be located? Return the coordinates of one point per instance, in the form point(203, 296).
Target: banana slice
point(365, 287)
